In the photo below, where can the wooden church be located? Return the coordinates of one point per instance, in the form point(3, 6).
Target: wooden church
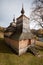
point(18, 35)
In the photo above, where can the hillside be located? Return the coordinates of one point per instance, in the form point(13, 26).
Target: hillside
point(40, 31)
point(2, 29)
point(2, 32)
point(37, 32)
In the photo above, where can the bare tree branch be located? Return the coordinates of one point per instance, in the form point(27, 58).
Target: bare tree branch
point(37, 13)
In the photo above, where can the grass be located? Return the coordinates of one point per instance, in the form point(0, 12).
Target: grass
point(8, 57)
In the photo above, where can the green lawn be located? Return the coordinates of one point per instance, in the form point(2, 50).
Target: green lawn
point(8, 57)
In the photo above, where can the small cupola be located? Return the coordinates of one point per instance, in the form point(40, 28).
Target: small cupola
point(14, 19)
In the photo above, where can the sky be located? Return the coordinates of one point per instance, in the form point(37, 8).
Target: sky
point(11, 8)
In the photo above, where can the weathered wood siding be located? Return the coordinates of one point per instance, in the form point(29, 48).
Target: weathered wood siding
point(23, 43)
point(26, 25)
point(13, 43)
point(20, 46)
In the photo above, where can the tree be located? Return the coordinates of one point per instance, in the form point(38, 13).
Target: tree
point(37, 13)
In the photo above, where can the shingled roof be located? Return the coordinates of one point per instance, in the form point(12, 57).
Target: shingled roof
point(21, 36)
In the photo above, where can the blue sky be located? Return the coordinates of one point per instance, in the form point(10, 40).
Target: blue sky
point(9, 8)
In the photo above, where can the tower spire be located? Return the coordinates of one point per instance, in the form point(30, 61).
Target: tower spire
point(22, 11)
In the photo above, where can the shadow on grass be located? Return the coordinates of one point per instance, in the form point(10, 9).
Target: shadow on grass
point(4, 48)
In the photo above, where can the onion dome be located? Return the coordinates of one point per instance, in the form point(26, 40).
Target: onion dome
point(22, 11)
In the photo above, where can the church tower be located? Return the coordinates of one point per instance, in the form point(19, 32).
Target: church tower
point(23, 21)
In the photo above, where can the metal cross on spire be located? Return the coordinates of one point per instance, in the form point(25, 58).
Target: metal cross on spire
point(22, 11)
